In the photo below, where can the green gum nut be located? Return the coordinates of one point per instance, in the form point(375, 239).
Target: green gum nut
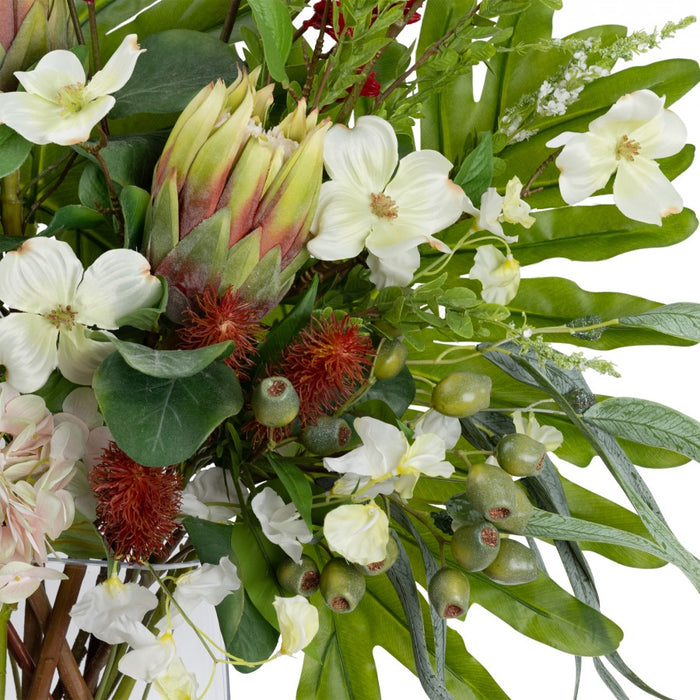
point(475, 546)
point(521, 455)
point(462, 394)
point(514, 564)
point(517, 521)
point(390, 359)
point(275, 402)
point(448, 592)
point(342, 585)
point(301, 578)
point(381, 567)
point(491, 491)
point(327, 436)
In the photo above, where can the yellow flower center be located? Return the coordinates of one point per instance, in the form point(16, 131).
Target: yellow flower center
point(383, 206)
point(62, 316)
point(627, 148)
point(71, 98)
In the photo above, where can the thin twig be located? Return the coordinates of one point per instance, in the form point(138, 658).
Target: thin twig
point(76, 22)
point(55, 185)
point(316, 54)
point(527, 187)
point(229, 21)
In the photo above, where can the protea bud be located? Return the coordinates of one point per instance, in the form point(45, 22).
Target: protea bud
point(28, 30)
point(233, 198)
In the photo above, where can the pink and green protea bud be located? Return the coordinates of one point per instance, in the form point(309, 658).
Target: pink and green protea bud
point(29, 29)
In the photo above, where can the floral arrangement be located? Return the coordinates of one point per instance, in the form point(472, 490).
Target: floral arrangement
point(265, 345)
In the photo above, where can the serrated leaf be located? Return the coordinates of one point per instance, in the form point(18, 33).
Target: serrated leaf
point(681, 320)
point(647, 422)
point(159, 421)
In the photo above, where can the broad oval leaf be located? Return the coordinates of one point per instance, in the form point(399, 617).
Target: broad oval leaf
point(647, 422)
point(14, 150)
point(162, 421)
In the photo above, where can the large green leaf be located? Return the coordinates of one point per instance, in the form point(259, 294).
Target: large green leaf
point(13, 150)
point(147, 414)
point(681, 320)
point(649, 423)
point(275, 26)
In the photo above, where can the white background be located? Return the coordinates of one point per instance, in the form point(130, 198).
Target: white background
point(658, 609)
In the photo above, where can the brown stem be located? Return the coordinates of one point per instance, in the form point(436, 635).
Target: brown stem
point(317, 52)
point(94, 42)
point(527, 187)
point(229, 21)
point(55, 651)
point(19, 651)
point(54, 186)
point(76, 22)
point(33, 634)
point(98, 655)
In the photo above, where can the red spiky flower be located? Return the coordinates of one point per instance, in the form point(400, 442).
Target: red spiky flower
point(136, 505)
point(217, 319)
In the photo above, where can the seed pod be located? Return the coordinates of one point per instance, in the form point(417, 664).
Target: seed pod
point(342, 585)
point(448, 592)
point(520, 516)
point(390, 359)
point(327, 436)
point(475, 546)
point(521, 455)
point(514, 564)
point(301, 578)
point(462, 394)
point(381, 567)
point(275, 402)
point(491, 491)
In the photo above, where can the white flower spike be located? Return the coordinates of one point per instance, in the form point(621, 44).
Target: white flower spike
point(45, 279)
point(626, 140)
point(57, 105)
point(370, 203)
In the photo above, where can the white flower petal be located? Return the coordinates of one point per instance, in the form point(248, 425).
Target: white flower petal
point(298, 622)
point(117, 70)
point(40, 275)
point(117, 283)
point(363, 157)
point(79, 356)
point(27, 350)
point(586, 164)
point(342, 222)
point(54, 71)
point(447, 427)
point(149, 661)
point(661, 137)
point(76, 126)
point(393, 270)
point(627, 114)
point(385, 444)
point(424, 193)
point(358, 532)
point(643, 193)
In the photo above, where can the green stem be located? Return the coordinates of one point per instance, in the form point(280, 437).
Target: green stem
point(5, 612)
point(11, 205)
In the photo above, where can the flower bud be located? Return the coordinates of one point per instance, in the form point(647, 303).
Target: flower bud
point(342, 585)
point(462, 394)
point(448, 592)
point(275, 402)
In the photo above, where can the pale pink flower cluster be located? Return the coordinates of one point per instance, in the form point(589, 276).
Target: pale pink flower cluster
point(38, 452)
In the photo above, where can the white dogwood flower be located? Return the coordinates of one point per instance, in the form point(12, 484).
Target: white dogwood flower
point(359, 532)
point(45, 280)
point(370, 203)
point(298, 622)
point(499, 274)
point(626, 140)
point(58, 106)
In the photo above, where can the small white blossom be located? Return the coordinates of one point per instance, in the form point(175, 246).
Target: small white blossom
point(499, 274)
point(176, 683)
point(358, 531)
point(447, 427)
point(149, 659)
point(298, 622)
point(549, 436)
point(19, 579)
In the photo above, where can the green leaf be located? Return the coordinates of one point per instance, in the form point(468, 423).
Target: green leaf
point(649, 423)
point(476, 171)
point(167, 364)
point(10, 243)
point(275, 26)
point(73, 217)
point(255, 638)
point(398, 392)
point(81, 540)
point(681, 320)
point(296, 484)
point(14, 150)
point(163, 83)
point(147, 414)
point(134, 202)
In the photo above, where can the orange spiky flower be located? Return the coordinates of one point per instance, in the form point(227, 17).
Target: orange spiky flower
point(137, 505)
point(217, 319)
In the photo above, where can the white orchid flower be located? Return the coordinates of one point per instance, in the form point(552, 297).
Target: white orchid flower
point(298, 622)
point(113, 611)
point(149, 660)
point(211, 495)
point(626, 140)
point(370, 203)
point(58, 106)
point(281, 522)
point(499, 274)
point(359, 532)
point(45, 280)
point(19, 579)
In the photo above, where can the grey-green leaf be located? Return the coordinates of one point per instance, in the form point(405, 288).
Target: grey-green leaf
point(681, 320)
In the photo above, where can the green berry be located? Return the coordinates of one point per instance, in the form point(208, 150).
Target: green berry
point(327, 436)
point(491, 491)
point(381, 567)
point(517, 521)
point(475, 546)
point(462, 394)
point(514, 564)
point(448, 592)
point(275, 402)
point(390, 359)
point(342, 585)
point(521, 455)
point(299, 578)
